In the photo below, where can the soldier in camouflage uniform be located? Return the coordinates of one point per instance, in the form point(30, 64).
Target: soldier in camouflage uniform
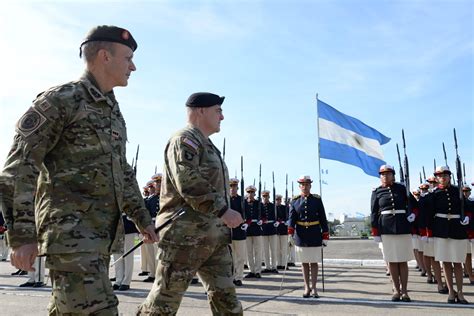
point(195, 179)
point(66, 180)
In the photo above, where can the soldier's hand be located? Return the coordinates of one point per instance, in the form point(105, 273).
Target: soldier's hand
point(149, 235)
point(232, 218)
point(23, 257)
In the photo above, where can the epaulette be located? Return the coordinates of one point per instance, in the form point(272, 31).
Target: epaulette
point(316, 195)
point(295, 197)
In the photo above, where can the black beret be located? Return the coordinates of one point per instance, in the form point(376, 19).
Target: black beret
point(110, 33)
point(204, 100)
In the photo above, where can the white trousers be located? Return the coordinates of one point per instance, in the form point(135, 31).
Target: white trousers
point(239, 253)
point(282, 250)
point(3, 248)
point(38, 274)
point(124, 268)
point(270, 251)
point(151, 252)
point(254, 253)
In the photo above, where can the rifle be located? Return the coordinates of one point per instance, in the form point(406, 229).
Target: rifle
point(424, 174)
point(445, 157)
point(459, 175)
point(402, 177)
point(421, 179)
point(286, 197)
point(274, 196)
point(156, 169)
point(434, 165)
point(242, 202)
point(136, 160)
point(292, 191)
point(464, 172)
point(157, 229)
point(223, 151)
point(405, 164)
point(260, 193)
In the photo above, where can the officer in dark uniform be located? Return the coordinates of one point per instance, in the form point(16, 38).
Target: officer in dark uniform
point(253, 225)
point(239, 235)
point(469, 206)
point(309, 227)
point(269, 233)
point(282, 233)
point(152, 203)
point(391, 218)
point(449, 231)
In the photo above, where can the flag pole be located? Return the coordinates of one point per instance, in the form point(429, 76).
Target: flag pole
point(319, 146)
point(320, 190)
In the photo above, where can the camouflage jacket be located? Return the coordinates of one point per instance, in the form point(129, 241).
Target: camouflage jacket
point(67, 173)
point(196, 179)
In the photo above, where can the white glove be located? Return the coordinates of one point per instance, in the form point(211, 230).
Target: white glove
point(424, 238)
point(325, 242)
point(244, 226)
point(259, 223)
point(411, 217)
point(465, 221)
point(377, 239)
point(276, 224)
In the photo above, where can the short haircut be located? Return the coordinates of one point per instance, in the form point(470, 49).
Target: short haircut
point(91, 49)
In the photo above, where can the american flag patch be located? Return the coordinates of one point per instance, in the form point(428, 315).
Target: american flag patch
point(190, 143)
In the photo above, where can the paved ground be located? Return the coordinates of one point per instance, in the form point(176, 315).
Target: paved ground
point(355, 284)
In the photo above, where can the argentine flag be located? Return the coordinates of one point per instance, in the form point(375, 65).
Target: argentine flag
point(348, 140)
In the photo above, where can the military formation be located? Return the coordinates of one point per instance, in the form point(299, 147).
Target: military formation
point(70, 202)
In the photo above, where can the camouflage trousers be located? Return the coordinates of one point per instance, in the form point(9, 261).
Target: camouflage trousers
point(81, 285)
point(175, 270)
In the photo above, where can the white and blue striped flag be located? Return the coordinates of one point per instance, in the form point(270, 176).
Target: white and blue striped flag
point(348, 140)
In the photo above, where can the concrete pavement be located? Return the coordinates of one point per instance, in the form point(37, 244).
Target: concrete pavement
point(355, 284)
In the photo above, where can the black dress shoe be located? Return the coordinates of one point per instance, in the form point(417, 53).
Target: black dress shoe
point(23, 272)
point(27, 284)
point(258, 275)
point(451, 300)
point(39, 284)
point(462, 301)
point(315, 295)
point(16, 272)
point(249, 275)
point(246, 266)
point(115, 287)
point(149, 280)
point(266, 270)
point(194, 281)
point(444, 290)
point(406, 298)
point(307, 294)
point(274, 271)
point(143, 273)
point(113, 279)
point(280, 267)
point(124, 287)
point(291, 264)
point(238, 283)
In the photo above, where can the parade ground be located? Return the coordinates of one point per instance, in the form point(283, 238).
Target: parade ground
point(354, 277)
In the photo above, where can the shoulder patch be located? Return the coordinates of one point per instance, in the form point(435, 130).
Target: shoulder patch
point(44, 105)
point(190, 143)
point(296, 197)
point(316, 195)
point(30, 122)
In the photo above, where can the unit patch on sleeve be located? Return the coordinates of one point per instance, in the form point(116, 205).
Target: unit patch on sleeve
point(30, 122)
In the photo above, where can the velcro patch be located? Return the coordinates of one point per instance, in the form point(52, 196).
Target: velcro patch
point(89, 107)
point(30, 122)
point(115, 134)
point(44, 105)
point(190, 143)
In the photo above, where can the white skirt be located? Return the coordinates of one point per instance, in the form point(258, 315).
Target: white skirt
point(397, 248)
point(308, 254)
point(414, 242)
point(450, 250)
point(469, 250)
point(420, 244)
point(428, 248)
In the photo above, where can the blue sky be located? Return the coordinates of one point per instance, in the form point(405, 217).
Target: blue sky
point(391, 64)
